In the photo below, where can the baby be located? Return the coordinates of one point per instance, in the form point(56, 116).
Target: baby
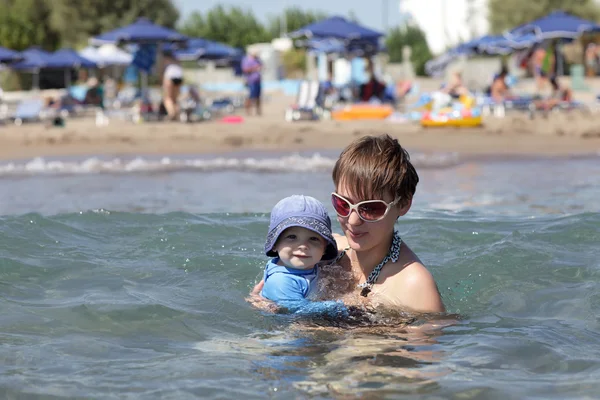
point(299, 238)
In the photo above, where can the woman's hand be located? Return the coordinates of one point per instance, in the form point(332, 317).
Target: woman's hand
point(258, 288)
point(260, 302)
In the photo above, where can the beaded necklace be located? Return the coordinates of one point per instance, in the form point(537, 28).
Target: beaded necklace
point(392, 255)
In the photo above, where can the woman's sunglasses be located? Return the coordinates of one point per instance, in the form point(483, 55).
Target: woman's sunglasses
point(368, 211)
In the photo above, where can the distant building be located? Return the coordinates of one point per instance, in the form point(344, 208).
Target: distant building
point(447, 23)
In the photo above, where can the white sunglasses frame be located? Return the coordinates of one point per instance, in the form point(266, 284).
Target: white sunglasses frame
point(354, 207)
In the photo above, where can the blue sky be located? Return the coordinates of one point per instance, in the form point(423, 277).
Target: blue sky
point(368, 12)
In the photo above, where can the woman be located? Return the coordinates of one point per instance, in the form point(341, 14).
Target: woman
point(172, 81)
point(374, 186)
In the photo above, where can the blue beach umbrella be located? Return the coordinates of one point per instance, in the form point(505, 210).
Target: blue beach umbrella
point(146, 34)
point(32, 60)
point(67, 59)
point(337, 28)
point(337, 46)
point(437, 66)
point(8, 55)
point(141, 31)
point(204, 49)
point(505, 45)
point(556, 25)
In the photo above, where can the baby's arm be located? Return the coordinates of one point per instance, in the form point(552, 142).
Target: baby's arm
point(289, 291)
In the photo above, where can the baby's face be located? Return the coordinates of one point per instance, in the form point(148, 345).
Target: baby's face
point(300, 248)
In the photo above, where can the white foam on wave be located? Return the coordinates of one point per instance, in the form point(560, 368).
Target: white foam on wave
point(287, 163)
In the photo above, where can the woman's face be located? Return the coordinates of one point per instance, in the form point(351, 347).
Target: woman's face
point(364, 235)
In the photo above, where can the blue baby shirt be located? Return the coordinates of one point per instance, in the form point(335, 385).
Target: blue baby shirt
point(289, 287)
point(287, 284)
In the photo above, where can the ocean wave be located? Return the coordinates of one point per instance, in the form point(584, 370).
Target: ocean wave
point(286, 163)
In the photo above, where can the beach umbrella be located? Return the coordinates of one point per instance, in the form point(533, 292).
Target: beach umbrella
point(475, 46)
point(91, 53)
point(67, 59)
point(33, 60)
point(506, 45)
point(338, 35)
point(436, 66)
point(204, 49)
point(141, 31)
point(147, 35)
point(556, 25)
point(337, 28)
point(495, 45)
point(106, 55)
point(8, 55)
point(112, 55)
point(337, 46)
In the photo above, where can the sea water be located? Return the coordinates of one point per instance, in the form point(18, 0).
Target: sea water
point(127, 277)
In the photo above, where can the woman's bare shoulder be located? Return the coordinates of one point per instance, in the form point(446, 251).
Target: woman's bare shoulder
point(341, 241)
point(413, 284)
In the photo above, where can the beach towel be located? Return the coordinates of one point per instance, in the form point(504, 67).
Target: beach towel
point(547, 62)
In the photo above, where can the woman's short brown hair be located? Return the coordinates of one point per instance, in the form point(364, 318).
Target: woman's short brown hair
point(373, 166)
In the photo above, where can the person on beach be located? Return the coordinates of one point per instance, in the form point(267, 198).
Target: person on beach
point(171, 84)
point(373, 89)
point(560, 92)
point(299, 238)
point(543, 63)
point(374, 186)
point(455, 87)
point(251, 68)
point(499, 89)
point(591, 60)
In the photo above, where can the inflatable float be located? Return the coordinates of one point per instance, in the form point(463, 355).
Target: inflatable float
point(468, 118)
point(362, 112)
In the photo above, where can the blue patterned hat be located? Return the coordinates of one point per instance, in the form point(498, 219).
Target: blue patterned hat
point(305, 212)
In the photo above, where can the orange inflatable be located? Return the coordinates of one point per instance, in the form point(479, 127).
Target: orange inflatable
point(362, 111)
point(450, 118)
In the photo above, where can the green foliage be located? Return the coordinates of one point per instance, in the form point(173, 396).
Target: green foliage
point(508, 14)
point(294, 62)
point(414, 37)
point(295, 19)
point(9, 80)
point(24, 23)
point(234, 26)
point(76, 20)
point(51, 24)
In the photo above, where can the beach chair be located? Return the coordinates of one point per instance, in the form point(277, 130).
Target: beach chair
point(193, 111)
point(3, 112)
point(221, 105)
point(30, 110)
point(307, 105)
point(126, 97)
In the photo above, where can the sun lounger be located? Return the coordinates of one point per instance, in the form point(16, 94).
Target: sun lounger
point(31, 110)
point(192, 111)
point(307, 105)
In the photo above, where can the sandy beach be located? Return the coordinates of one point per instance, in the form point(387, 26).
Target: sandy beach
point(561, 133)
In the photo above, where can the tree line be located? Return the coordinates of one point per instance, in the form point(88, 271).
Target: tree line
point(51, 24)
